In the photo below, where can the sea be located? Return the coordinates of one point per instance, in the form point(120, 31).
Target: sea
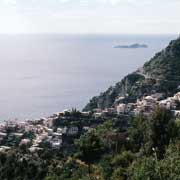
point(41, 74)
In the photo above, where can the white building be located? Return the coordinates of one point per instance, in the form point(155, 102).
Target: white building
point(25, 142)
point(56, 143)
point(98, 114)
point(124, 108)
point(49, 131)
point(4, 148)
point(60, 130)
point(35, 149)
point(177, 96)
point(72, 131)
point(121, 108)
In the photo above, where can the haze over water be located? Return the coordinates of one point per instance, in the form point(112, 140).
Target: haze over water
point(44, 74)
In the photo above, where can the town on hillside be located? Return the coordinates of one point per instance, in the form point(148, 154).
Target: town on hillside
point(59, 130)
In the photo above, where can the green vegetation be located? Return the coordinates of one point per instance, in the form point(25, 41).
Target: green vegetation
point(149, 149)
point(159, 75)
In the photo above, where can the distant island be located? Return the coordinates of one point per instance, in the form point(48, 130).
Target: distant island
point(132, 46)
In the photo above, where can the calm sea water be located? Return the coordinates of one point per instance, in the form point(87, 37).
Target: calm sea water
point(43, 74)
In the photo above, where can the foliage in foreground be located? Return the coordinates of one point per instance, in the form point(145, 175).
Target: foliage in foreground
point(149, 150)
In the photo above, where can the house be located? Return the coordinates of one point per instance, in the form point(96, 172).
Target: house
point(4, 148)
point(2, 136)
point(28, 128)
point(121, 108)
point(85, 114)
point(110, 110)
point(145, 105)
point(55, 134)
point(25, 142)
point(49, 131)
point(17, 135)
point(177, 96)
point(33, 149)
point(119, 100)
point(64, 130)
point(56, 140)
point(176, 113)
point(60, 130)
point(97, 115)
point(87, 129)
point(56, 143)
point(73, 130)
point(168, 103)
point(124, 108)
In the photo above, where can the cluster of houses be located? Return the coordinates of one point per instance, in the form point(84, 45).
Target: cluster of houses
point(45, 134)
point(34, 133)
point(172, 103)
point(147, 105)
point(102, 112)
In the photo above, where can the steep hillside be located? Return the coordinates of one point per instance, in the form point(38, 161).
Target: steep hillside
point(159, 75)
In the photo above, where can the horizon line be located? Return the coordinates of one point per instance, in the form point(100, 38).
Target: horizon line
point(61, 33)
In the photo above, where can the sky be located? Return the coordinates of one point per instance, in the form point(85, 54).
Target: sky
point(90, 16)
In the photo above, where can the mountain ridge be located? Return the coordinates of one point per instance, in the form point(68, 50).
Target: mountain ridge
point(159, 75)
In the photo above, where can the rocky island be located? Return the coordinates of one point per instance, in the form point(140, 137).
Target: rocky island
point(132, 46)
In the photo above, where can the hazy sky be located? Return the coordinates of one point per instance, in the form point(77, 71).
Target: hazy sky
point(90, 16)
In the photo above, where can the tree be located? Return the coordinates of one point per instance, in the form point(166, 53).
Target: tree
point(90, 148)
point(170, 165)
point(106, 167)
point(138, 133)
point(144, 169)
point(163, 130)
point(120, 164)
point(156, 132)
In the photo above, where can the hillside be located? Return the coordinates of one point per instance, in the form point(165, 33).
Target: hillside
point(160, 75)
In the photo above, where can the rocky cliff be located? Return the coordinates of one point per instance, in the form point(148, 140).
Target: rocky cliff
point(160, 75)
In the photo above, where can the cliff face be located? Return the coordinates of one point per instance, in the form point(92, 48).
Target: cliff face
point(159, 75)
